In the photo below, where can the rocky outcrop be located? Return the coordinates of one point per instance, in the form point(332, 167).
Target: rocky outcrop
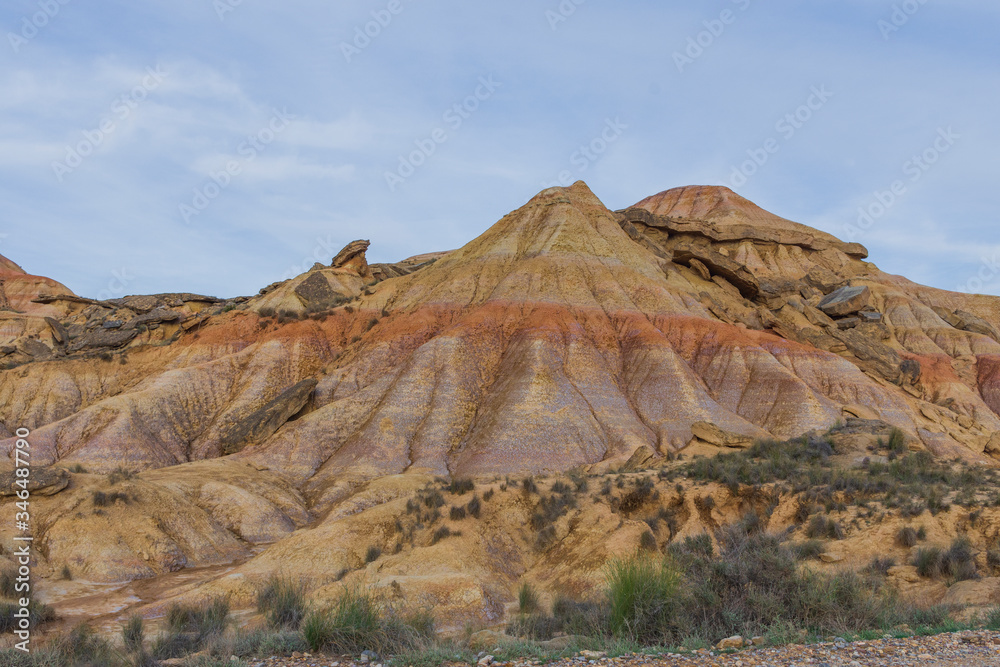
point(352, 258)
point(256, 427)
point(719, 214)
point(846, 301)
point(565, 337)
point(42, 482)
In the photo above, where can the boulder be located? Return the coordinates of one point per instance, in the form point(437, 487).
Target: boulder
point(718, 264)
point(42, 482)
point(246, 430)
point(317, 293)
point(714, 435)
point(846, 301)
point(981, 593)
point(639, 460)
point(731, 643)
point(103, 339)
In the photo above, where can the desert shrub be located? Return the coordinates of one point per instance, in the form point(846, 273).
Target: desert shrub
point(373, 554)
point(134, 633)
point(958, 561)
point(475, 507)
point(644, 594)
point(647, 542)
point(880, 565)
point(282, 602)
point(906, 537)
point(120, 475)
point(897, 442)
point(529, 486)
point(358, 622)
point(440, 534)
point(488, 496)
point(65, 573)
point(433, 500)
point(457, 513)
point(808, 550)
point(83, 646)
point(266, 312)
point(929, 561)
point(527, 599)
point(822, 526)
point(77, 468)
point(551, 508)
point(202, 621)
point(635, 498)
point(38, 613)
point(100, 499)
point(460, 487)
point(992, 620)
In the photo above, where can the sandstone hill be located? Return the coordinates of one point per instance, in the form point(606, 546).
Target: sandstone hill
point(296, 429)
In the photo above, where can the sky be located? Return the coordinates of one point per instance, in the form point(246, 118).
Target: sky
point(217, 146)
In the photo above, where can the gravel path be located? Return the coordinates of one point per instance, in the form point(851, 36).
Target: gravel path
point(961, 649)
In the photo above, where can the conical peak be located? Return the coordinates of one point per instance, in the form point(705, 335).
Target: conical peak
point(579, 192)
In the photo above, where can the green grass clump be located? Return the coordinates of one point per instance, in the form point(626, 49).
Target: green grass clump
point(282, 602)
point(358, 622)
point(134, 633)
point(644, 595)
point(527, 599)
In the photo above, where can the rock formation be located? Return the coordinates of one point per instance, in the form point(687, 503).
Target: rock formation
point(565, 337)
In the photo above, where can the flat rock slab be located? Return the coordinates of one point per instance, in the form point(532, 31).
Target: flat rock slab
point(846, 301)
point(42, 482)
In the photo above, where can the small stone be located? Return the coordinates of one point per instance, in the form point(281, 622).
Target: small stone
point(485, 661)
point(831, 558)
point(734, 642)
point(593, 655)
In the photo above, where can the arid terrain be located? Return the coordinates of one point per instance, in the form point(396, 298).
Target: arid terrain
point(570, 386)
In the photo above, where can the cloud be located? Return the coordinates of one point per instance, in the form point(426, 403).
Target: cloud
point(323, 177)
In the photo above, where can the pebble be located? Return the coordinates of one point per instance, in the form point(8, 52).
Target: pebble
point(962, 649)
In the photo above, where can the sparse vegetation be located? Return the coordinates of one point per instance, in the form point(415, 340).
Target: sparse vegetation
point(460, 487)
point(373, 554)
point(527, 599)
point(282, 601)
point(358, 622)
point(906, 537)
point(134, 633)
point(120, 475)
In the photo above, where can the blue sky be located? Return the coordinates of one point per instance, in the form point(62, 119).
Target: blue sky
point(115, 118)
